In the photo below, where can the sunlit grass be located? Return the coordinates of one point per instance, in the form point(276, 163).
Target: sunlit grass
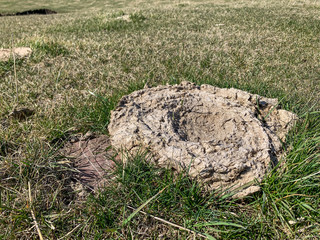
point(83, 62)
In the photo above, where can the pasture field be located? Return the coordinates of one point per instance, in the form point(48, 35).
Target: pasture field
point(90, 54)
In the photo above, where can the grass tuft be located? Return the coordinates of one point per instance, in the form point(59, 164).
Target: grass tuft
point(51, 48)
point(6, 67)
point(104, 23)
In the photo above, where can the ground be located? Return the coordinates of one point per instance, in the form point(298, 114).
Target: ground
point(93, 52)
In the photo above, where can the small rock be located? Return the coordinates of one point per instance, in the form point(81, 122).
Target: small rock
point(124, 18)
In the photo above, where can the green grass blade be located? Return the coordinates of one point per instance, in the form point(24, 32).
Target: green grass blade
point(220, 224)
point(126, 221)
point(209, 236)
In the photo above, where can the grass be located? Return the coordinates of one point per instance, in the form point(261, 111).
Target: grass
point(88, 56)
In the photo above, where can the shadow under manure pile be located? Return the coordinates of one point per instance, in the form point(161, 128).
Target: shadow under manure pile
point(43, 11)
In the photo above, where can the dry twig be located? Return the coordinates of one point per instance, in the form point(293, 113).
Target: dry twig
point(170, 223)
point(32, 213)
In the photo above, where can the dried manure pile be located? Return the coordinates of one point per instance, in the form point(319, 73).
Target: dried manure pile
point(19, 52)
point(227, 138)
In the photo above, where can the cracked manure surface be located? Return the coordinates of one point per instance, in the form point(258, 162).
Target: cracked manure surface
point(217, 132)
